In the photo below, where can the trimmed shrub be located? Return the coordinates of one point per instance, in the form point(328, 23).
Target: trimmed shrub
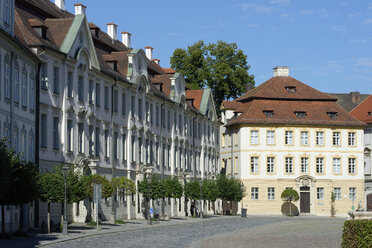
point(357, 233)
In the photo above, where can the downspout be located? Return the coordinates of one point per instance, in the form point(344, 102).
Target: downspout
point(112, 149)
point(11, 121)
point(193, 142)
point(232, 152)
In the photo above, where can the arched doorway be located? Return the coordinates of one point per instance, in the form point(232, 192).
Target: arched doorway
point(305, 184)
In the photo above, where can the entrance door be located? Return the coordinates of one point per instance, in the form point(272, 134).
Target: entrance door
point(305, 202)
point(369, 202)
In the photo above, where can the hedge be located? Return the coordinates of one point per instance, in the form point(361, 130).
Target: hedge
point(357, 233)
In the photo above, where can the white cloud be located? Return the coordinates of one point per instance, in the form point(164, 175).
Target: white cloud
point(363, 62)
point(352, 15)
point(366, 21)
point(256, 7)
point(338, 28)
point(306, 12)
point(361, 40)
point(284, 2)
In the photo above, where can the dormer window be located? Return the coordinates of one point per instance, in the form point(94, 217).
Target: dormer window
point(39, 27)
point(291, 89)
point(113, 65)
point(190, 101)
point(300, 114)
point(369, 113)
point(269, 113)
point(332, 115)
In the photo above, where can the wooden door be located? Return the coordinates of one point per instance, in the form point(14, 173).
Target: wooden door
point(305, 202)
point(369, 202)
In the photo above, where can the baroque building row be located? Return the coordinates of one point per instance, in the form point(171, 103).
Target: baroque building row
point(76, 94)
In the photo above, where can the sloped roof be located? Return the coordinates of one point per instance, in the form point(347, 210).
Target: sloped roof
point(363, 111)
point(165, 80)
point(275, 88)
point(273, 96)
point(345, 100)
point(197, 95)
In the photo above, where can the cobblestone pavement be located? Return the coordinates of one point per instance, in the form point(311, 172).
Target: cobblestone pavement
point(221, 231)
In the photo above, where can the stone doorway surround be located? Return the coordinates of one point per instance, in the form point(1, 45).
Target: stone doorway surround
point(303, 182)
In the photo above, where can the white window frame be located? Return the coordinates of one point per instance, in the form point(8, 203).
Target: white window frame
point(289, 137)
point(254, 164)
point(270, 137)
point(320, 193)
point(289, 165)
point(336, 168)
point(320, 138)
point(254, 193)
point(304, 165)
point(254, 137)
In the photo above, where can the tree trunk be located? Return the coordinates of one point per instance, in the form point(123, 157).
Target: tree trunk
point(62, 211)
point(21, 213)
point(2, 220)
point(48, 218)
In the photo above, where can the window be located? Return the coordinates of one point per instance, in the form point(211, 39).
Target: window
point(115, 100)
point(32, 148)
point(254, 193)
point(270, 164)
point(140, 109)
point(69, 84)
point(157, 115)
point(69, 135)
point(336, 165)
point(124, 141)
point(337, 192)
point(24, 143)
point(32, 94)
point(16, 85)
point(332, 115)
point(55, 133)
point(116, 136)
point(123, 104)
point(140, 150)
point(7, 80)
point(7, 12)
point(56, 80)
point(162, 117)
point(152, 113)
point(91, 89)
point(304, 138)
point(304, 165)
point(288, 165)
point(320, 138)
point(352, 193)
point(91, 140)
point(97, 143)
point(81, 89)
point(81, 137)
point(300, 114)
point(44, 76)
point(107, 103)
point(24, 89)
point(270, 137)
point(147, 111)
point(320, 193)
point(352, 165)
point(133, 141)
point(16, 139)
point(43, 131)
point(107, 152)
point(254, 137)
point(168, 120)
point(291, 89)
point(351, 139)
point(268, 113)
point(98, 95)
point(289, 137)
point(133, 105)
point(271, 193)
point(336, 138)
point(320, 165)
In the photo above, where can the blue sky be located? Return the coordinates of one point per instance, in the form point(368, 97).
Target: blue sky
point(326, 43)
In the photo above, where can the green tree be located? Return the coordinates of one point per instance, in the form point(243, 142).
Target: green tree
point(124, 186)
point(290, 195)
point(221, 66)
point(51, 186)
point(192, 190)
point(89, 180)
point(173, 188)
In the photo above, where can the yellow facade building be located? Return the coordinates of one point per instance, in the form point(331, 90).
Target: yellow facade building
point(285, 134)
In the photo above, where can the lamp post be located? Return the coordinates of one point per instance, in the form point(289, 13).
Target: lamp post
point(201, 213)
point(148, 172)
point(65, 172)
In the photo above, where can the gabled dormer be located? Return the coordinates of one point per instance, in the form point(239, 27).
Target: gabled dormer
point(7, 16)
point(78, 40)
point(137, 66)
point(177, 87)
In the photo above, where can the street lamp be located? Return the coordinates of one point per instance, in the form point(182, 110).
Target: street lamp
point(65, 172)
point(148, 172)
point(201, 213)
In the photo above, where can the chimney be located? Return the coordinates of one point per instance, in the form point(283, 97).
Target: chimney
point(355, 97)
point(149, 52)
point(126, 38)
point(80, 9)
point(281, 71)
point(60, 4)
point(157, 61)
point(112, 30)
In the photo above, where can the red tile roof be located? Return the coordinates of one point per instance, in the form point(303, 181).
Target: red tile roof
point(196, 95)
point(169, 70)
point(275, 87)
point(363, 111)
point(273, 96)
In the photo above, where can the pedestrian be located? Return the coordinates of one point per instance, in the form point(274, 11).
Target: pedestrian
point(192, 209)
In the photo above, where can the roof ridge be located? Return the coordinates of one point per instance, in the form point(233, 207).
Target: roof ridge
point(360, 103)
